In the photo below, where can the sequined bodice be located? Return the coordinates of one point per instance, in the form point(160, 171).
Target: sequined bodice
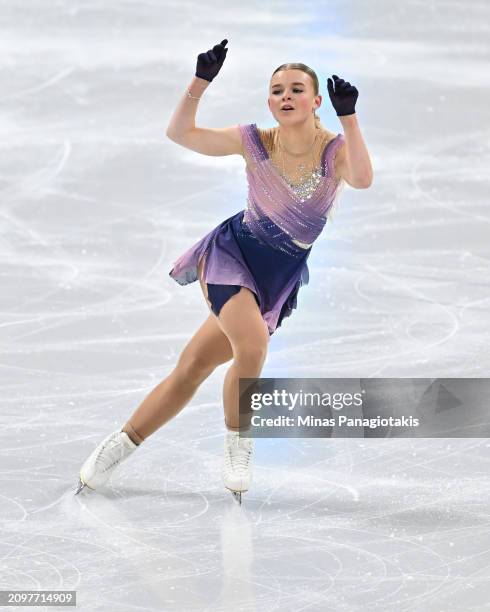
point(287, 215)
point(305, 190)
point(307, 187)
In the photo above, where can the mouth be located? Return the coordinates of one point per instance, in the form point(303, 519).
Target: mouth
point(287, 109)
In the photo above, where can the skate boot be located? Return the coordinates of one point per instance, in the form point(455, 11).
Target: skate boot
point(237, 464)
point(98, 468)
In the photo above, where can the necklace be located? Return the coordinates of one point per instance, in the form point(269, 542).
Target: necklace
point(302, 166)
point(309, 176)
point(296, 154)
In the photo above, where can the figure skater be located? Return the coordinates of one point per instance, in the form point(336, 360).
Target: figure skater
point(251, 266)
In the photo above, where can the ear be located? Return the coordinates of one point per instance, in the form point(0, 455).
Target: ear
point(319, 101)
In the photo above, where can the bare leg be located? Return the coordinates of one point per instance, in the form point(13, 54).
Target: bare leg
point(239, 319)
point(207, 349)
point(249, 336)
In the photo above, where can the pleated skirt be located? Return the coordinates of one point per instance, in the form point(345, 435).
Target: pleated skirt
point(235, 258)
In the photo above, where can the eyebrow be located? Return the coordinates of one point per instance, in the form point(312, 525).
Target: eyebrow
point(279, 85)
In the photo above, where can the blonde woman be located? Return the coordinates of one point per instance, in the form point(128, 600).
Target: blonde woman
point(252, 265)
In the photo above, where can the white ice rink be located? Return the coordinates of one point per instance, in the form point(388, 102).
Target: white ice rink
point(96, 204)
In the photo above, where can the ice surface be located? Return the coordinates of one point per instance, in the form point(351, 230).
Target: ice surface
point(96, 204)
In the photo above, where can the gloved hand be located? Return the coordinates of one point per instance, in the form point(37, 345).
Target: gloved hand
point(344, 97)
point(209, 63)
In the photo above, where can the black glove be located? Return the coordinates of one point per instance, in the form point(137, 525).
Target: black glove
point(344, 97)
point(209, 63)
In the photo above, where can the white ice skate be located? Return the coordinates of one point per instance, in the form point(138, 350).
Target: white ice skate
point(98, 468)
point(237, 464)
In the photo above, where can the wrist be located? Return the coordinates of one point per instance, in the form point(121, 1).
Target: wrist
point(347, 119)
point(198, 85)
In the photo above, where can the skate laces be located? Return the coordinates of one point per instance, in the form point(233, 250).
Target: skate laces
point(110, 454)
point(240, 452)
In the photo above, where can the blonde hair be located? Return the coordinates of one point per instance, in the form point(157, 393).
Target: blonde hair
point(314, 78)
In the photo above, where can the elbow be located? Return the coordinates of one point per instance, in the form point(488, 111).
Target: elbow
point(172, 132)
point(178, 137)
point(366, 183)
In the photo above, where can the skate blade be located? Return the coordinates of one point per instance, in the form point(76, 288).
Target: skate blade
point(238, 496)
point(80, 486)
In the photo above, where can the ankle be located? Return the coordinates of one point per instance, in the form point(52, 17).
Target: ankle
point(132, 434)
point(237, 431)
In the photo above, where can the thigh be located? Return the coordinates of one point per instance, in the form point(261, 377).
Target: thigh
point(242, 322)
point(240, 318)
point(209, 347)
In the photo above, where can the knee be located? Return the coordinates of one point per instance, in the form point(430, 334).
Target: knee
point(194, 368)
point(251, 354)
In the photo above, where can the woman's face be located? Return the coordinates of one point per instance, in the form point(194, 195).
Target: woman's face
point(294, 88)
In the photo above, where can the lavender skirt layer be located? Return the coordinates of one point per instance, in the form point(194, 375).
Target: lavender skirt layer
point(235, 258)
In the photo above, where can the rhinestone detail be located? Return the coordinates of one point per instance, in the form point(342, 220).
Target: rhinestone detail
point(296, 210)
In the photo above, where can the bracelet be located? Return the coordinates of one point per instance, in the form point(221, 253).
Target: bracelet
point(190, 96)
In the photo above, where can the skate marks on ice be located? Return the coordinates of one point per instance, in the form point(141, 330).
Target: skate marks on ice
point(148, 549)
point(322, 513)
point(398, 537)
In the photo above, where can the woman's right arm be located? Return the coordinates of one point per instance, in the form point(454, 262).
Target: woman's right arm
point(208, 141)
point(182, 127)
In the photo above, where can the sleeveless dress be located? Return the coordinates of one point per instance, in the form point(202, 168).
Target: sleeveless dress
point(264, 247)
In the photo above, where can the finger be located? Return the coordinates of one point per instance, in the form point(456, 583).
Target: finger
point(220, 53)
point(212, 56)
point(204, 58)
point(218, 49)
point(224, 42)
point(330, 86)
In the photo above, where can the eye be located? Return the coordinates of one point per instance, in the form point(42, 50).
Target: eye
point(279, 91)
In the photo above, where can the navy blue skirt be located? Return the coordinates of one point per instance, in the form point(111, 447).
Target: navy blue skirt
point(272, 271)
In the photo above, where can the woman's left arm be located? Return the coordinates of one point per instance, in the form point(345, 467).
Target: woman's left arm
point(353, 163)
point(352, 160)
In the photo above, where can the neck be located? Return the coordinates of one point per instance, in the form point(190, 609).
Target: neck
point(298, 138)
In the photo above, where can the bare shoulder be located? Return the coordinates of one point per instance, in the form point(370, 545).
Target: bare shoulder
point(327, 135)
point(268, 138)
